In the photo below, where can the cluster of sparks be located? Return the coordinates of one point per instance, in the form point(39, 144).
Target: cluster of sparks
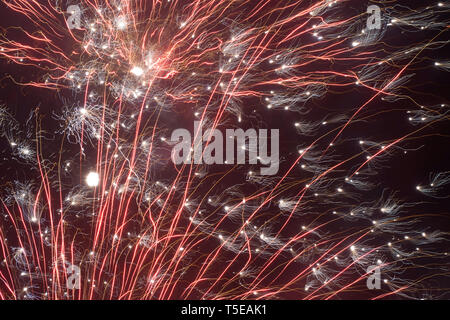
point(102, 194)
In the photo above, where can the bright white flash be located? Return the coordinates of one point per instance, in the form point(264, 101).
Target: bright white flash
point(92, 179)
point(121, 23)
point(137, 71)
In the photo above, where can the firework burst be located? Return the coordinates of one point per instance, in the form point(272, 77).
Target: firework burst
point(94, 207)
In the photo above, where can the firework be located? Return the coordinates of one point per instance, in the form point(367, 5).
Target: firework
point(93, 207)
